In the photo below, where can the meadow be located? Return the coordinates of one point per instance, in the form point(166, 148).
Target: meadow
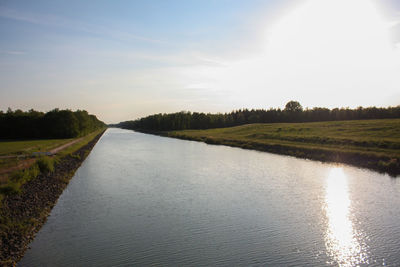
point(27, 147)
point(21, 167)
point(367, 143)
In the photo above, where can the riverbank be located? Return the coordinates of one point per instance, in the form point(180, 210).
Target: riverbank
point(372, 144)
point(24, 213)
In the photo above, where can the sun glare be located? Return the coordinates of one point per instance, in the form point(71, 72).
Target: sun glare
point(341, 238)
point(323, 53)
point(328, 32)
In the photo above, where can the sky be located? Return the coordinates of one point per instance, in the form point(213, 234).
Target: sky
point(123, 60)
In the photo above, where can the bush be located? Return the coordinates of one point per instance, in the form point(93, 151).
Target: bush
point(45, 164)
point(18, 178)
point(23, 176)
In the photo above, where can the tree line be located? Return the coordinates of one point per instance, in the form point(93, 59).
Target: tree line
point(53, 124)
point(293, 112)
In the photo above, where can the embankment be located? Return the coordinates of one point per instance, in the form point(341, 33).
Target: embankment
point(372, 144)
point(383, 164)
point(23, 214)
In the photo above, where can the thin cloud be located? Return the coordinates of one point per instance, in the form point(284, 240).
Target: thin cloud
point(13, 52)
point(395, 33)
point(56, 21)
point(12, 14)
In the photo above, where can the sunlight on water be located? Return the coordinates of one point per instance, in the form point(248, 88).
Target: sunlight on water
point(342, 240)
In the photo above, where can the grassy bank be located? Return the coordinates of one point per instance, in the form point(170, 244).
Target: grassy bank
point(11, 182)
point(373, 144)
point(29, 195)
point(26, 147)
point(14, 153)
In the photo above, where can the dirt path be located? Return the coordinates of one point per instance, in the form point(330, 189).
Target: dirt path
point(58, 149)
point(13, 156)
point(26, 163)
point(23, 164)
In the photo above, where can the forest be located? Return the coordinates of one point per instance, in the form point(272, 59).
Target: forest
point(53, 124)
point(293, 112)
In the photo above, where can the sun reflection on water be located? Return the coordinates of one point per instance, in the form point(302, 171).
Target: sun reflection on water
point(342, 240)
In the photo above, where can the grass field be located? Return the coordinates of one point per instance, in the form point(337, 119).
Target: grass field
point(22, 147)
point(26, 148)
point(367, 143)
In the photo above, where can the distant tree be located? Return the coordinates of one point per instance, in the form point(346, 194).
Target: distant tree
point(293, 106)
point(293, 112)
point(53, 124)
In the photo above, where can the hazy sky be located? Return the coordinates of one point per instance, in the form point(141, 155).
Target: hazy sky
point(126, 59)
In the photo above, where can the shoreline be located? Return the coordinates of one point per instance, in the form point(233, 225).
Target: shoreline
point(371, 162)
point(24, 214)
point(354, 159)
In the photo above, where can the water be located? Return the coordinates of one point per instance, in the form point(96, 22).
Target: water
point(142, 200)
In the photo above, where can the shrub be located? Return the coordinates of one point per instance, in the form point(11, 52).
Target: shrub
point(23, 176)
point(45, 164)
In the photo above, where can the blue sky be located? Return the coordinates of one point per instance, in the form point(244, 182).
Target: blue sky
point(126, 59)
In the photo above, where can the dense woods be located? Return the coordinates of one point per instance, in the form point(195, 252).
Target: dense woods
point(53, 124)
point(293, 112)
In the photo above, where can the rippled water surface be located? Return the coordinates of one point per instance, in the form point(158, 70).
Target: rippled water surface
point(142, 200)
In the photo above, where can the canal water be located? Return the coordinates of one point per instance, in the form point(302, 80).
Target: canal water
point(141, 200)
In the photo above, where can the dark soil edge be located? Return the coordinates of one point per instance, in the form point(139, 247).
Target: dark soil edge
point(25, 213)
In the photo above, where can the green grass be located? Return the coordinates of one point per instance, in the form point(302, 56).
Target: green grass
point(22, 147)
point(18, 178)
point(46, 164)
point(376, 139)
point(11, 183)
point(25, 148)
point(85, 140)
